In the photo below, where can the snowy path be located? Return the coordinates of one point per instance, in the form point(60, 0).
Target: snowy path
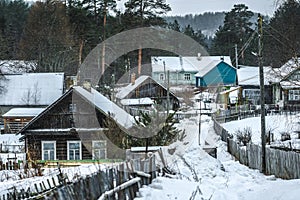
point(198, 170)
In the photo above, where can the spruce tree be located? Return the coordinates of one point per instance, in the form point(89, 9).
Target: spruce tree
point(237, 29)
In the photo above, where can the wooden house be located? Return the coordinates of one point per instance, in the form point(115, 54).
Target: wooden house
point(201, 71)
point(75, 127)
point(16, 118)
point(286, 85)
point(143, 88)
point(249, 82)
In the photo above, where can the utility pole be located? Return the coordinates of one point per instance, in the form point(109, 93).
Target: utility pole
point(236, 57)
point(199, 133)
point(262, 97)
point(168, 91)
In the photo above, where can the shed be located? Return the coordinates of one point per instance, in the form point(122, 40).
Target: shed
point(16, 118)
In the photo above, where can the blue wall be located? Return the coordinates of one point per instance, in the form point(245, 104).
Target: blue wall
point(222, 74)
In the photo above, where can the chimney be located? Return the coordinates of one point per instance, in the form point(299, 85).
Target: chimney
point(133, 78)
point(87, 85)
point(199, 56)
point(222, 58)
point(181, 63)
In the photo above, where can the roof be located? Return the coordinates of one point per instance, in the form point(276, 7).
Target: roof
point(108, 107)
point(289, 67)
point(101, 102)
point(140, 101)
point(249, 75)
point(201, 64)
point(23, 112)
point(31, 88)
point(123, 92)
point(17, 66)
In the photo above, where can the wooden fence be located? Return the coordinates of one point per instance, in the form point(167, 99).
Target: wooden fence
point(282, 164)
point(120, 182)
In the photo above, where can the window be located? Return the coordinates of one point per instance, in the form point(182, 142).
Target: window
point(74, 150)
point(294, 95)
point(48, 150)
point(99, 149)
point(72, 108)
point(161, 77)
point(187, 77)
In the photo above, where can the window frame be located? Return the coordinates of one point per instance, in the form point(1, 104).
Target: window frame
point(187, 76)
point(68, 149)
point(48, 142)
point(294, 95)
point(93, 148)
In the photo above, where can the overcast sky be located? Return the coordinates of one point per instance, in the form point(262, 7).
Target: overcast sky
point(182, 7)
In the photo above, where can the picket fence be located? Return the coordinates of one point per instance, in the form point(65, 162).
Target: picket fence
point(282, 164)
point(120, 182)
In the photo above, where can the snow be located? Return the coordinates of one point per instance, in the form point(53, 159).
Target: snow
point(249, 75)
point(140, 101)
point(199, 176)
point(31, 89)
point(17, 66)
point(277, 124)
point(107, 106)
point(203, 176)
point(189, 64)
point(23, 112)
point(123, 92)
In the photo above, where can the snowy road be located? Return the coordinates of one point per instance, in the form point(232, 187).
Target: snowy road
point(200, 176)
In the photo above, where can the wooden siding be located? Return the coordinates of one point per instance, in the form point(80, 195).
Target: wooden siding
point(155, 91)
point(59, 123)
point(222, 74)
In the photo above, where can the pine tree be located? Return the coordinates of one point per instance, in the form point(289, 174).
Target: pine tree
point(281, 40)
point(47, 37)
point(12, 19)
point(236, 30)
point(155, 129)
point(174, 26)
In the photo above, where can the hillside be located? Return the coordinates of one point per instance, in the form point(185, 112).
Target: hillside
point(208, 22)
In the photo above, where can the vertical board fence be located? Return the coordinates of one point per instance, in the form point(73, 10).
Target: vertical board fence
point(120, 182)
point(282, 164)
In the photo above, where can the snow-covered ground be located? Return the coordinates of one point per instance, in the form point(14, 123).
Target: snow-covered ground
point(203, 177)
point(199, 176)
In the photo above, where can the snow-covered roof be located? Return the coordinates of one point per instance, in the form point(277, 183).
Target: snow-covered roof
point(249, 75)
point(31, 88)
point(140, 101)
point(23, 112)
point(107, 106)
point(201, 64)
point(290, 84)
point(289, 67)
point(123, 92)
point(17, 66)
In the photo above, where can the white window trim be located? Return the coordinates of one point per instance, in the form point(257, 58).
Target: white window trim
point(45, 142)
point(185, 75)
point(80, 148)
point(93, 144)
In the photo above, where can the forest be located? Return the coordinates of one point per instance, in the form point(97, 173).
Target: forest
point(58, 35)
